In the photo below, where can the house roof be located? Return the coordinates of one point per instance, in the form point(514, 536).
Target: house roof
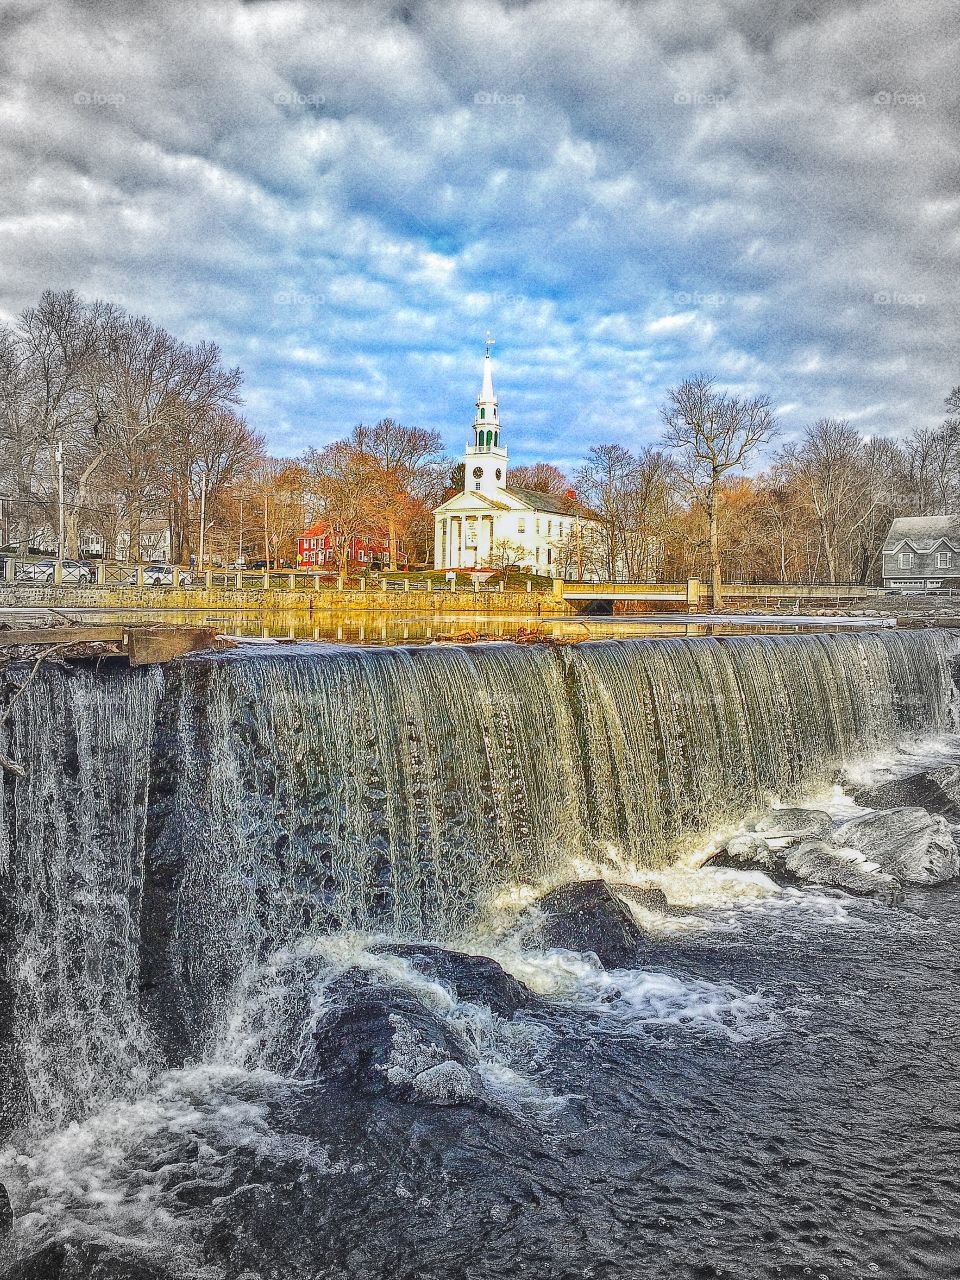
point(923, 532)
point(552, 503)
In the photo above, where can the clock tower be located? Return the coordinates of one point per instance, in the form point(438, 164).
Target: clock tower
point(485, 460)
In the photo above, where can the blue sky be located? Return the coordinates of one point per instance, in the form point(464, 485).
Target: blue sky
point(347, 196)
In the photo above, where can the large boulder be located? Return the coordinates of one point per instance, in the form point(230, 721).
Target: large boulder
point(473, 979)
point(588, 916)
point(381, 1040)
point(816, 862)
point(790, 824)
point(937, 791)
point(915, 846)
point(793, 862)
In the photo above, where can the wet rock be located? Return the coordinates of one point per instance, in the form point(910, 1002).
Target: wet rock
point(816, 862)
point(65, 1261)
point(937, 791)
point(649, 897)
point(588, 916)
point(474, 979)
point(915, 846)
point(810, 862)
point(747, 852)
point(381, 1040)
point(794, 824)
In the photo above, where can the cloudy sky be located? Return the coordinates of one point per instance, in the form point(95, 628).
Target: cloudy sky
point(347, 196)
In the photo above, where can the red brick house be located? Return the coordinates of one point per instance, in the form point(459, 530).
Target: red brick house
point(318, 547)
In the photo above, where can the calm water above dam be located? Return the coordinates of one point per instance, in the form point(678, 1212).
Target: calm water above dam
point(384, 628)
point(229, 1047)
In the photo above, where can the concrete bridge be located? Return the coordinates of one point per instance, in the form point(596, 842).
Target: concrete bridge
point(694, 595)
point(600, 597)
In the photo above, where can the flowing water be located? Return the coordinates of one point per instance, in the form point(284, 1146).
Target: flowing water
point(200, 855)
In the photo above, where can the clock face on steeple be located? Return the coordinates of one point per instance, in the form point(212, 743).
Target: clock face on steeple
point(478, 473)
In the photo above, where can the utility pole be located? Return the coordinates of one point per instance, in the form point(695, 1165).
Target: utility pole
point(59, 456)
point(266, 529)
point(203, 513)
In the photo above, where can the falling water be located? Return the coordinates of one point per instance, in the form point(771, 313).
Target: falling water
point(176, 824)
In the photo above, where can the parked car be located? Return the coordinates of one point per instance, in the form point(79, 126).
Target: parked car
point(160, 575)
point(74, 571)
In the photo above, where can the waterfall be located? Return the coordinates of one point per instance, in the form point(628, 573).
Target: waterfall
point(177, 823)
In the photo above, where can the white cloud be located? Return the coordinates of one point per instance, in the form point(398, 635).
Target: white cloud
point(638, 193)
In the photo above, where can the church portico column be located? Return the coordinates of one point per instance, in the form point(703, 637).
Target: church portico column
point(439, 542)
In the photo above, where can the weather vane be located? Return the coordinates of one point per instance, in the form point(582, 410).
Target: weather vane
point(489, 341)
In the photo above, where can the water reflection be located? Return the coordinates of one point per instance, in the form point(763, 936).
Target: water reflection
point(387, 629)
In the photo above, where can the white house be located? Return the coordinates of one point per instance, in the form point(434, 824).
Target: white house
point(491, 523)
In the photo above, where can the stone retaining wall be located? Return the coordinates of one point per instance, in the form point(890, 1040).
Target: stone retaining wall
point(522, 603)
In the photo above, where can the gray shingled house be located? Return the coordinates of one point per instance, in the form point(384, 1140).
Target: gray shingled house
point(922, 553)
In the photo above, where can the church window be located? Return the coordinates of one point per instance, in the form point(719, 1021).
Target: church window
point(483, 413)
point(489, 439)
point(499, 473)
point(477, 487)
point(496, 439)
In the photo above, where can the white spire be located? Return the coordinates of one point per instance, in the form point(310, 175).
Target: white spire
point(486, 391)
point(487, 417)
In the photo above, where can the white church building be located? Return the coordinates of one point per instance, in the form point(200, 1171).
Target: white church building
point(492, 524)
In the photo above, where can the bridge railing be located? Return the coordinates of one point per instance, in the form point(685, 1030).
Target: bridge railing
point(696, 594)
point(689, 592)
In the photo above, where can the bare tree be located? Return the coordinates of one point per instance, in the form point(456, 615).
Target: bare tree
point(404, 458)
point(831, 471)
point(540, 477)
point(713, 433)
point(604, 482)
point(342, 485)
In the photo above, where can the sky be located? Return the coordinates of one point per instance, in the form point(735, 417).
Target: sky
point(348, 196)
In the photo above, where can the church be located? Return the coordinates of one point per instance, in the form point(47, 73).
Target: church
point(493, 524)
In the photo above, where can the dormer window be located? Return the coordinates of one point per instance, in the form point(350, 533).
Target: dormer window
point(905, 560)
point(943, 559)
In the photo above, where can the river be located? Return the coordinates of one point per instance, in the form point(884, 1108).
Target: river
point(222, 880)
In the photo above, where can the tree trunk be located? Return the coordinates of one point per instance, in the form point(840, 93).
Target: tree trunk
point(71, 531)
point(392, 543)
point(715, 546)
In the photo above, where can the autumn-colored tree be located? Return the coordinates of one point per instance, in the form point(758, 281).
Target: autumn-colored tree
point(402, 460)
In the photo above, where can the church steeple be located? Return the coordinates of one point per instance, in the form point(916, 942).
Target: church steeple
point(485, 461)
point(486, 424)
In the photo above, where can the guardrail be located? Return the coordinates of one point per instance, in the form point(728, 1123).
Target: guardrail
point(79, 574)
